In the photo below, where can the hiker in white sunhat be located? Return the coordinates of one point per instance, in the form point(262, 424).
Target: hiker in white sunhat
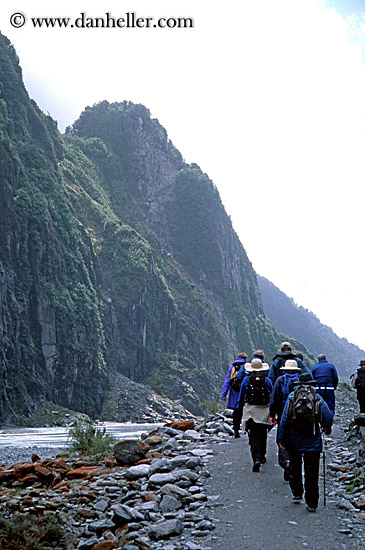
point(254, 397)
point(282, 388)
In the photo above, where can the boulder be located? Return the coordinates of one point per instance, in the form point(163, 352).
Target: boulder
point(130, 451)
point(165, 529)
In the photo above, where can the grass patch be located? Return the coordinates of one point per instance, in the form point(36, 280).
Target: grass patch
point(357, 482)
point(31, 533)
point(87, 440)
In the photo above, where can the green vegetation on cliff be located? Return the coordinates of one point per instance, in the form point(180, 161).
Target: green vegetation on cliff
point(116, 257)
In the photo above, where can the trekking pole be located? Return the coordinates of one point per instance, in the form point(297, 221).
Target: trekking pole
point(324, 473)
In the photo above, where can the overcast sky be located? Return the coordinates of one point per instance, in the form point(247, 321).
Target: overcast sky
point(267, 97)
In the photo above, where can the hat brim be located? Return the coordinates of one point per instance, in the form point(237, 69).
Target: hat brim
point(248, 367)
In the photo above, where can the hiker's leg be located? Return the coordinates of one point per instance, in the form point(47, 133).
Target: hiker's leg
point(254, 440)
point(331, 402)
point(237, 419)
point(311, 474)
point(295, 480)
point(361, 400)
point(262, 437)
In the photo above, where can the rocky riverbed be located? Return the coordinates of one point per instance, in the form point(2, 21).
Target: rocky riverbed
point(154, 493)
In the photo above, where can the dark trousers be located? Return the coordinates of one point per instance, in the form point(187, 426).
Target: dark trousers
point(311, 474)
point(257, 437)
point(237, 419)
point(329, 397)
point(361, 400)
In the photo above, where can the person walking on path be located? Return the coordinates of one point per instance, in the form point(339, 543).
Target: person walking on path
point(300, 433)
point(259, 354)
point(283, 355)
point(233, 394)
point(282, 388)
point(326, 375)
point(254, 397)
point(358, 382)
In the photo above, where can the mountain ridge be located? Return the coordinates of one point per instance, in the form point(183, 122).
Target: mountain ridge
point(300, 323)
point(116, 259)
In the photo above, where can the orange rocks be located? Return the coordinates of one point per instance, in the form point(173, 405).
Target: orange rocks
point(80, 473)
point(182, 425)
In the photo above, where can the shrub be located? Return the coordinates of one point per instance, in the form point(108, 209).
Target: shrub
point(90, 441)
point(30, 533)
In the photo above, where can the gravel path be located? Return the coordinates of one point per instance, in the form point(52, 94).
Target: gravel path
point(255, 510)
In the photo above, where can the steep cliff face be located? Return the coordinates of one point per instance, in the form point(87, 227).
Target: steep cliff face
point(116, 259)
point(52, 336)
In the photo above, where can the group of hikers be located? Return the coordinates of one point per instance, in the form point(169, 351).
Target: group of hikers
point(300, 401)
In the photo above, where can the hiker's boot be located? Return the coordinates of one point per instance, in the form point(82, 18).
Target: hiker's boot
point(237, 435)
point(311, 510)
point(256, 466)
point(297, 499)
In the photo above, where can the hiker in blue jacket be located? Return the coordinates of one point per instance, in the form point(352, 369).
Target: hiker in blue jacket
point(282, 388)
point(279, 360)
point(256, 419)
point(233, 395)
point(326, 375)
point(304, 444)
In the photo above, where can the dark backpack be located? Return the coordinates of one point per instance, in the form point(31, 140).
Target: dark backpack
point(235, 384)
point(257, 392)
point(304, 409)
point(360, 381)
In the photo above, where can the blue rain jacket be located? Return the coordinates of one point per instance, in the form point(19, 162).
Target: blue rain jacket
point(233, 395)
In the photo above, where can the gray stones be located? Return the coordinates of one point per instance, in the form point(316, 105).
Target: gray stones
point(165, 529)
point(123, 514)
point(136, 472)
point(101, 504)
point(161, 479)
point(170, 504)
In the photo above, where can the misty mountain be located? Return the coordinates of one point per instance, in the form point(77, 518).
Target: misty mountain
point(117, 262)
point(300, 323)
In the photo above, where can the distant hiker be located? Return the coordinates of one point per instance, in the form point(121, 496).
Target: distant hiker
point(299, 432)
point(233, 385)
point(326, 375)
point(259, 354)
point(282, 388)
point(358, 382)
point(280, 358)
point(254, 398)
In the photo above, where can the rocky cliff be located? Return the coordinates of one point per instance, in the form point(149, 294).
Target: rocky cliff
point(117, 259)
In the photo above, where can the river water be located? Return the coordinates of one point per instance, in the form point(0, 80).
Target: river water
point(18, 444)
point(58, 437)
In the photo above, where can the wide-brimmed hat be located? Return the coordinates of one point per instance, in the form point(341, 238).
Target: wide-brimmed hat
point(256, 364)
point(290, 364)
point(286, 345)
point(305, 378)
